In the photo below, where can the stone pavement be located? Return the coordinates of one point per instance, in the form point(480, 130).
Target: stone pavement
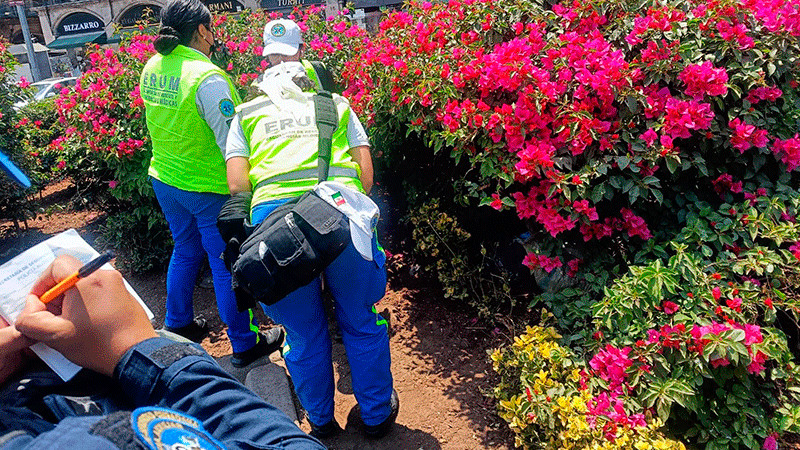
point(268, 378)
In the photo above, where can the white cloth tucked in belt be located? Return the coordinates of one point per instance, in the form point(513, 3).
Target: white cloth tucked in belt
point(361, 211)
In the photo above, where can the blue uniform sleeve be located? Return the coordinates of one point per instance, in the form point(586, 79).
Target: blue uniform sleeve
point(184, 378)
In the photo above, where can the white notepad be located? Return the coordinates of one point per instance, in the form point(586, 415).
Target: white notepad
point(18, 275)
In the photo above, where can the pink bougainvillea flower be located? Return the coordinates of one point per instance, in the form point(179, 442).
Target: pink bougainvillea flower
point(745, 135)
point(757, 361)
point(788, 151)
point(771, 442)
point(534, 261)
point(683, 116)
point(23, 82)
point(716, 293)
point(734, 303)
point(795, 249)
point(764, 93)
point(112, 184)
point(720, 362)
point(611, 364)
point(752, 334)
point(670, 307)
point(573, 266)
point(496, 203)
point(649, 137)
point(61, 164)
point(704, 79)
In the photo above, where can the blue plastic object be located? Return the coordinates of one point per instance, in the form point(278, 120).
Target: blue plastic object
point(13, 171)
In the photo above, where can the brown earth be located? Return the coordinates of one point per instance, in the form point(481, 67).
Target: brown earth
point(439, 353)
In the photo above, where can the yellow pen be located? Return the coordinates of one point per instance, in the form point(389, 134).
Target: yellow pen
point(71, 280)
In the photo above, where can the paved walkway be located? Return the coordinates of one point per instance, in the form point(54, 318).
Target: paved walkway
point(268, 378)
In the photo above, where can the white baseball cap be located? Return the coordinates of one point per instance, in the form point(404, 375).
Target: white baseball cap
point(282, 37)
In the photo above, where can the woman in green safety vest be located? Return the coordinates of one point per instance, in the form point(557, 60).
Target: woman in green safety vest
point(189, 104)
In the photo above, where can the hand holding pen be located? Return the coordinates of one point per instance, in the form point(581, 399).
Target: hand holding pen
point(71, 280)
point(94, 324)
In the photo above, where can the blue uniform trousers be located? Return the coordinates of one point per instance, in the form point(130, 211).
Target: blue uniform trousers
point(192, 218)
point(356, 285)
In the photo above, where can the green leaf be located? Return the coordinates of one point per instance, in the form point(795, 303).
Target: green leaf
point(659, 196)
point(672, 164)
point(598, 192)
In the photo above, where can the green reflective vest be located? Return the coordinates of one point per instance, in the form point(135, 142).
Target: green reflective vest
point(185, 151)
point(283, 142)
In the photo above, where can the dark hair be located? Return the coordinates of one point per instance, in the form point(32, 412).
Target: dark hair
point(179, 21)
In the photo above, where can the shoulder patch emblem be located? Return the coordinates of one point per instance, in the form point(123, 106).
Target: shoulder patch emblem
point(160, 428)
point(278, 30)
point(226, 107)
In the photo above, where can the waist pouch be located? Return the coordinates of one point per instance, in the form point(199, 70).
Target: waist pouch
point(288, 250)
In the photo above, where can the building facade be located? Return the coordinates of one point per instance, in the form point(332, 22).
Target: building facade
point(65, 26)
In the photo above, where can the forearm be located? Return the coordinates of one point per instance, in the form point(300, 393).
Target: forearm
point(361, 155)
point(182, 377)
point(238, 168)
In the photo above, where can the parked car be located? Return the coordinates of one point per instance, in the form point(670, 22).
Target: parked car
point(46, 88)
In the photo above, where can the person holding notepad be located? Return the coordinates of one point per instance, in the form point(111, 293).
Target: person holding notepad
point(167, 392)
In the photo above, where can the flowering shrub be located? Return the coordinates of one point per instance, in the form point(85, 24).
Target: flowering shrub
point(611, 129)
point(36, 128)
point(593, 120)
point(441, 251)
point(13, 203)
point(705, 335)
point(550, 401)
point(105, 149)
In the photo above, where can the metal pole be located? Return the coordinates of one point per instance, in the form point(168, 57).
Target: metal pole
point(332, 8)
point(26, 32)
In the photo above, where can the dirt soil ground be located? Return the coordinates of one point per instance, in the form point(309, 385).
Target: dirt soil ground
point(439, 354)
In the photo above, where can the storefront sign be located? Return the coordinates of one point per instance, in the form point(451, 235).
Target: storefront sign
point(79, 23)
point(270, 5)
point(357, 4)
point(222, 6)
point(150, 13)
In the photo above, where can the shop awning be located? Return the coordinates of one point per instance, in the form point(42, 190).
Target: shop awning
point(78, 40)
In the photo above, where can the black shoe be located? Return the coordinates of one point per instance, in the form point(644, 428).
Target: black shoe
point(382, 429)
point(195, 331)
point(268, 342)
point(325, 431)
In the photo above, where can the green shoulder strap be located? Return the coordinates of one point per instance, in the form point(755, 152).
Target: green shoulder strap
point(327, 121)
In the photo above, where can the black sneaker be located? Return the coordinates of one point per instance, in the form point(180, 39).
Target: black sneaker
point(325, 431)
point(382, 429)
point(268, 342)
point(195, 331)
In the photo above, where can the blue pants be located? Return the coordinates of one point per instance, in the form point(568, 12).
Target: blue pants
point(192, 218)
point(356, 285)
